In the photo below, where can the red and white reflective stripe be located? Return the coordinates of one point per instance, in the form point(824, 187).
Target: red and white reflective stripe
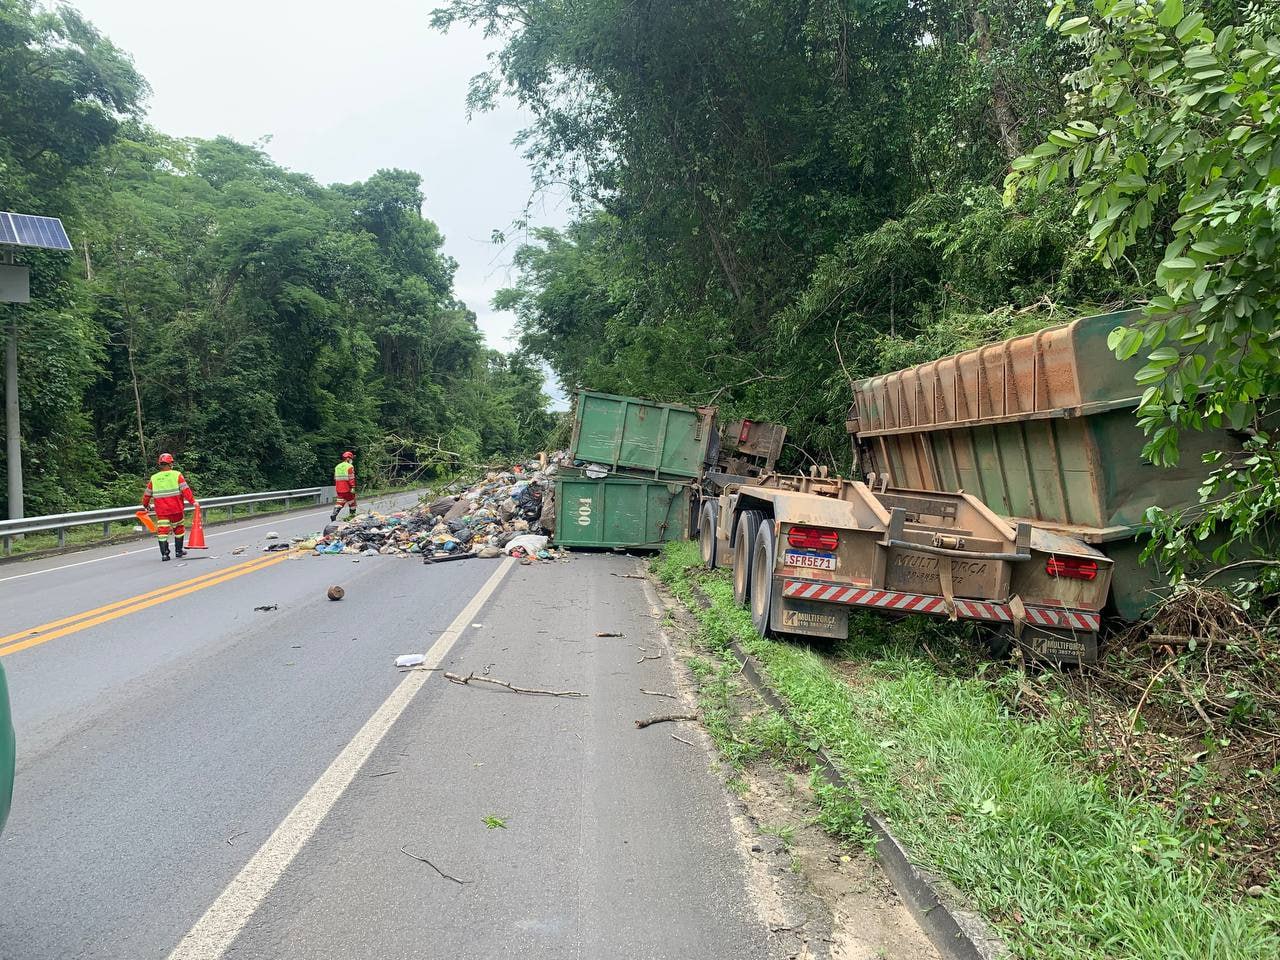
point(1061, 619)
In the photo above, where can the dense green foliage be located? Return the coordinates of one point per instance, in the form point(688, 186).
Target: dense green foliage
point(780, 197)
point(1173, 140)
point(777, 195)
point(237, 314)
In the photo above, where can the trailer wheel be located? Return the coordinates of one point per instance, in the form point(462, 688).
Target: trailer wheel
point(762, 566)
point(707, 540)
point(744, 543)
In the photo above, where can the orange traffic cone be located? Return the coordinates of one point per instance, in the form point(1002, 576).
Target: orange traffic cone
point(196, 540)
point(144, 518)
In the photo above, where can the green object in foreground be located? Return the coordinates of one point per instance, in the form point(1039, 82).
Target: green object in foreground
point(620, 512)
point(7, 751)
point(640, 437)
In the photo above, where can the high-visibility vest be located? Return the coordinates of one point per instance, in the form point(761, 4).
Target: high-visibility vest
point(165, 483)
point(343, 471)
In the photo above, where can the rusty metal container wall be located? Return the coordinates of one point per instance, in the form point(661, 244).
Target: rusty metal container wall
point(1040, 427)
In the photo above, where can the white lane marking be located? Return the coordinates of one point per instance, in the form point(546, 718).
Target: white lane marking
point(128, 553)
point(214, 933)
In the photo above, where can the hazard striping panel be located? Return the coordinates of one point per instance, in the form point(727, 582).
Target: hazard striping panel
point(24, 230)
point(897, 602)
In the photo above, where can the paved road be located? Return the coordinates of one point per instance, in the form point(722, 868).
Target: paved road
point(199, 780)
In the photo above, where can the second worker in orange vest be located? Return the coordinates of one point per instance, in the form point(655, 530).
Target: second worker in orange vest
point(344, 485)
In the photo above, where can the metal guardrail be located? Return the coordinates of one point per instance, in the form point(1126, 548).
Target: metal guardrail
point(62, 522)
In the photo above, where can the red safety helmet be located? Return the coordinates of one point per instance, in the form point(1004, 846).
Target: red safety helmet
point(348, 455)
point(165, 458)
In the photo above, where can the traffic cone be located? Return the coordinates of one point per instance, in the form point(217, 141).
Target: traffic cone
point(196, 540)
point(144, 518)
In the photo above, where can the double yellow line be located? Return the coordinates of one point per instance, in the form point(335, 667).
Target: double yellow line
point(34, 636)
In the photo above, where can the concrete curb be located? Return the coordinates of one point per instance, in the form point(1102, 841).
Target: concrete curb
point(957, 931)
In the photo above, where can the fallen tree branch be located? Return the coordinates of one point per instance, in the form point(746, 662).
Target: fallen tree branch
point(665, 718)
point(656, 693)
point(414, 856)
point(682, 740)
point(471, 677)
point(647, 657)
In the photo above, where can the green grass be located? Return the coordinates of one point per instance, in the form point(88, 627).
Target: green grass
point(1062, 866)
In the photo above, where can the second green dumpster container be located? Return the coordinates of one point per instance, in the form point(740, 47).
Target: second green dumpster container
point(641, 437)
point(620, 511)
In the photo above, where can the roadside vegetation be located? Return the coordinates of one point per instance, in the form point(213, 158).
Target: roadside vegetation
point(244, 317)
point(986, 772)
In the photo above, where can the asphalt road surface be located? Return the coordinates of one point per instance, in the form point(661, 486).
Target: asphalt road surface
point(197, 779)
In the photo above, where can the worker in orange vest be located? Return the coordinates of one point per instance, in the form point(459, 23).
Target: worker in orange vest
point(344, 485)
point(168, 494)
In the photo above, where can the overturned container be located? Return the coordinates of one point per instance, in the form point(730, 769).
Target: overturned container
point(641, 437)
point(620, 512)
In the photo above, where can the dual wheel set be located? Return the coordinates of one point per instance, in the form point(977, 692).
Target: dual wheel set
point(754, 557)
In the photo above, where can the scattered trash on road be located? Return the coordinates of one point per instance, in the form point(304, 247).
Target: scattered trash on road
point(267, 607)
point(410, 659)
point(335, 593)
point(502, 513)
point(607, 634)
point(238, 550)
point(275, 547)
point(271, 536)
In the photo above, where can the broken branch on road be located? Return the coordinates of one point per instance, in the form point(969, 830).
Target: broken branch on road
point(472, 678)
point(656, 693)
point(665, 718)
point(446, 876)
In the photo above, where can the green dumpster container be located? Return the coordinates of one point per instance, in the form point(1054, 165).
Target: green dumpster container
point(620, 512)
point(640, 437)
point(6, 751)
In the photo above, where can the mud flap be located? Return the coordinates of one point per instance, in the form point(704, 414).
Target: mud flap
point(1058, 646)
point(809, 619)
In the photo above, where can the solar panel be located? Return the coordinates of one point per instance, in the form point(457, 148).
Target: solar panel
point(23, 230)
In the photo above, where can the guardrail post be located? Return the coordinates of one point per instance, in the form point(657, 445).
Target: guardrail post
point(62, 537)
point(249, 507)
point(8, 545)
point(106, 529)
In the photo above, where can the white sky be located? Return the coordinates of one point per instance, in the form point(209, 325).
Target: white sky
point(344, 89)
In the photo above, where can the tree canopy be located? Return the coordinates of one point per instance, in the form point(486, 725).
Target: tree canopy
point(218, 306)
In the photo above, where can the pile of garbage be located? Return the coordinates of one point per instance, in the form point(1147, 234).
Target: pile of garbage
point(510, 512)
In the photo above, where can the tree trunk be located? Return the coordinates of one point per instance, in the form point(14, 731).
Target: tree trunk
point(1001, 99)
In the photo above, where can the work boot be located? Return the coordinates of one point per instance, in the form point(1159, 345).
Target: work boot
point(177, 548)
point(333, 517)
point(164, 550)
point(351, 514)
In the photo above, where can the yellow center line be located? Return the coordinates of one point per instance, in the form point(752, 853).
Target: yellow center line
point(120, 608)
point(30, 631)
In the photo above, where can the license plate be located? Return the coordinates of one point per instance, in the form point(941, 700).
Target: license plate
point(814, 561)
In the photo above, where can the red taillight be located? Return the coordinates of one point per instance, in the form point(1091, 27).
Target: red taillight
point(813, 538)
point(1072, 568)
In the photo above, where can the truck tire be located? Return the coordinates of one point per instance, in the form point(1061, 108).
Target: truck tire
point(707, 540)
point(762, 565)
point(744, 544)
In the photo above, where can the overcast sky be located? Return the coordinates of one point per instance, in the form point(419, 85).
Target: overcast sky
point(344, 89)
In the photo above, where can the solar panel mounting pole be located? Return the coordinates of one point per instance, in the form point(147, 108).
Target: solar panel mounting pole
point(12, 421)
point(19, 230)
